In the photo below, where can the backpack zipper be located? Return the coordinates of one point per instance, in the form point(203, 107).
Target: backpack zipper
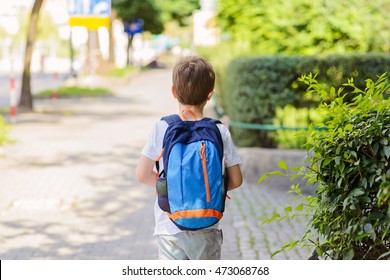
point(204, 167)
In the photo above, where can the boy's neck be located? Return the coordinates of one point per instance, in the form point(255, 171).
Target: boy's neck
point(185, 111)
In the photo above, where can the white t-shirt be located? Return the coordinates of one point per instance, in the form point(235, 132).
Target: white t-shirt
point(152, 149)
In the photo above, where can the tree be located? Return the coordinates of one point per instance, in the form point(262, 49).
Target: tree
point(154, 13)
point(306, 26)
point(129, 10)
point(177, 10)
point(111, 52)
point(26, 100)
point(47, 30)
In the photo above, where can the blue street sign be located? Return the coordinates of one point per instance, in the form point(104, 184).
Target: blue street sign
point(134, 27)
point(89, 7)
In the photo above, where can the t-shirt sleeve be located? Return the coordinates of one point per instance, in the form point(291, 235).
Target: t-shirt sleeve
point(230, 153)
point(153, 146)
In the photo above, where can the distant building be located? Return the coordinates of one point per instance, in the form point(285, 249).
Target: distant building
point(206, 32)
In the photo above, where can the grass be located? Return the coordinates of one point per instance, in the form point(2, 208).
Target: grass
point(3, 132)
point(74, 91)
point(122, 72)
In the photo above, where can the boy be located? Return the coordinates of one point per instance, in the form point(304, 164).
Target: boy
point(193, 85)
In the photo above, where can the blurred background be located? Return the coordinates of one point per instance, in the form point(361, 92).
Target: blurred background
point(259, 50)
point(67, 184)
point(78, 37)
point(65, 32)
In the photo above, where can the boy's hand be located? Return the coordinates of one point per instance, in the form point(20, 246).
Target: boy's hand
point(234, 177)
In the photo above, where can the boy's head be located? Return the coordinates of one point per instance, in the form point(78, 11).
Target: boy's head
point(193, 80)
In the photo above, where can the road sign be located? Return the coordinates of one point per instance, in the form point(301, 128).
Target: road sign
point(89, 13)
point(134, 27)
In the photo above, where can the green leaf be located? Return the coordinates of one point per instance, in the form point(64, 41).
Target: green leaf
point(354, 154)
point(296, 168)
point(265, 176)
point(348, 127)
point(342, 166)
point(346, 202)
point(384, 255)
point(376, 215)
point(357, 192)
point(375, 148)
point(349, 255)
point(325, 162)
point(288, 209)
point(386, 149)
point(262, 178)
point(293, 177)
point(388, 210)
point(319, 251)
point(299, 207)
point(274, 217)
point(276, 252)
point(368, 228)
point(364, 182)
point(282, 165)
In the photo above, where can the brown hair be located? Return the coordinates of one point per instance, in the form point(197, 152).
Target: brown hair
point(193, 79)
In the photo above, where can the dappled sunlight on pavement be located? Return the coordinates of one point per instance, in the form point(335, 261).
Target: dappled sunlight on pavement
point(68, 190)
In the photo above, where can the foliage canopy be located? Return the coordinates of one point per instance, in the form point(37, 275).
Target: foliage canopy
point(177, 10)
point(155, 13)
point(306, 26)
point(128, 10)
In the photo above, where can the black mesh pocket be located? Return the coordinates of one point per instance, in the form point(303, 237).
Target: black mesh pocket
point(162, 194)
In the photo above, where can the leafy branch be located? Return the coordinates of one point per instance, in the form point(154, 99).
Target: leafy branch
point(348, 164)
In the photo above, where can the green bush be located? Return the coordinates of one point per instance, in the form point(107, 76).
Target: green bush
point(220, 56)
point(254, 88)
point(349, 167)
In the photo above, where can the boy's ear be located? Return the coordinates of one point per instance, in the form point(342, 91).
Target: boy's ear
point(210, 95)
point(173, 92)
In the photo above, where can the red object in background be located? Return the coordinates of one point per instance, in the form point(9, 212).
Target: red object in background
point(13, 98)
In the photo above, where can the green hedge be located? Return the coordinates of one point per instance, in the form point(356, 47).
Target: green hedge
point(348, 167)
point(254, 88)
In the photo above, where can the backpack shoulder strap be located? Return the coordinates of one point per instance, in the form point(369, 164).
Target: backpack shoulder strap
point(171, 119)
point(212, 120)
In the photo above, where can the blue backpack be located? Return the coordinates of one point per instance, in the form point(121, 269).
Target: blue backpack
point(191, 188)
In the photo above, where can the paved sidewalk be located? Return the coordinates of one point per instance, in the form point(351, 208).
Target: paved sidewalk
point(67, 187)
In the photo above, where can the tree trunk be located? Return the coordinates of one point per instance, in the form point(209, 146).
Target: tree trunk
point(71, 55)
point(94, 56)
point(26, 101)
point(111, 53)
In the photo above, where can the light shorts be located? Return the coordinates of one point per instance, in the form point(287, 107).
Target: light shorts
point(204, 244)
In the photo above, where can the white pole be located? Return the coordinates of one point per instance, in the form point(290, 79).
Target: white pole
point(12, 94)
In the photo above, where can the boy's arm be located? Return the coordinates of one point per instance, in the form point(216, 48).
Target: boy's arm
point(145, 173)
point(234, 177)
